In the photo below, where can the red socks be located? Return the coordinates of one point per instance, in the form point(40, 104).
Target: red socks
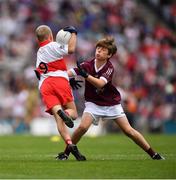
point(68, 141)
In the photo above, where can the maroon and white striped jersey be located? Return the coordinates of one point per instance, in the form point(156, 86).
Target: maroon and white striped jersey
point(106, 96)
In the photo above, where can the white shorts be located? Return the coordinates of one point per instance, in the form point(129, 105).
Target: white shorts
point(103, 112)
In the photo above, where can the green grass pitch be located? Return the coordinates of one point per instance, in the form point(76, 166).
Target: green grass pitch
point(111, 156)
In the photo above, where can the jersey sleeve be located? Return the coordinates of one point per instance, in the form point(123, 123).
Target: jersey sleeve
point(108, 74)
point(61, 49)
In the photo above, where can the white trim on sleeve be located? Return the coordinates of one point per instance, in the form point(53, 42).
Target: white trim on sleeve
point(103, 78)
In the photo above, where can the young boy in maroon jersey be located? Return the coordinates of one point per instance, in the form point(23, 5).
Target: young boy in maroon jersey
point(102, 99)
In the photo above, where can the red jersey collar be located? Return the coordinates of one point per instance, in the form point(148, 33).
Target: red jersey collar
point(43, 43)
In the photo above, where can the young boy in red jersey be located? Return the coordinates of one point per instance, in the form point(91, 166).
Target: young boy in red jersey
point(102, 99)
point(54, 84)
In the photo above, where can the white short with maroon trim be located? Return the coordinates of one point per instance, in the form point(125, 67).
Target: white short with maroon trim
point(103, 112)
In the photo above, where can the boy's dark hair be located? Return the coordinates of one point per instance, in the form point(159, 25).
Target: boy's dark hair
point(109, 43)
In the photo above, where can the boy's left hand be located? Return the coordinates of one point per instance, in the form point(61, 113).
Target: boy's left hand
point(82, 71)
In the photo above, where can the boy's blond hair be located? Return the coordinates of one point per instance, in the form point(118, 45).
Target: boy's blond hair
point(43, 32)
point(109, 43)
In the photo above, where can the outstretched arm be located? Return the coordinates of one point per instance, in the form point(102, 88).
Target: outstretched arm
point(72, 44)
point(97, 82)
point(72, 41)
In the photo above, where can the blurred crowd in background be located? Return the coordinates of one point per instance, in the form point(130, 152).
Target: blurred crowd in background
point(145, 64)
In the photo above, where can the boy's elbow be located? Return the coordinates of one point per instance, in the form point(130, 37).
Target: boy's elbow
point(100, 85)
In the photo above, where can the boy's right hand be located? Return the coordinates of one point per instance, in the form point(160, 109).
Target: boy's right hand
point(75, 84)
point(82, 71)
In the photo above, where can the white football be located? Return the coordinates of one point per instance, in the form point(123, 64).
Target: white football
point(62, 37)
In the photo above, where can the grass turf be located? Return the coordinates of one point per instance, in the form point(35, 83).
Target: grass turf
point(110, 156)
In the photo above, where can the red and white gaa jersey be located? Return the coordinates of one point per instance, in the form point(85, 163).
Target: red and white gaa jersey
point(106, 96)
point(51, 55)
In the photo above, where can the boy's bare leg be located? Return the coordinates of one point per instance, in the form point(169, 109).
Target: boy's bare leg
point(78, 133)
point(83, 127)
point(137, 137)
point(124, 125)
point(70, 108)
point(64, 115)
point(61, 125)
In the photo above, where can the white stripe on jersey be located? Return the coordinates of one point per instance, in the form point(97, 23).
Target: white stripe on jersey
point(49, 53)
point(109, 71)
